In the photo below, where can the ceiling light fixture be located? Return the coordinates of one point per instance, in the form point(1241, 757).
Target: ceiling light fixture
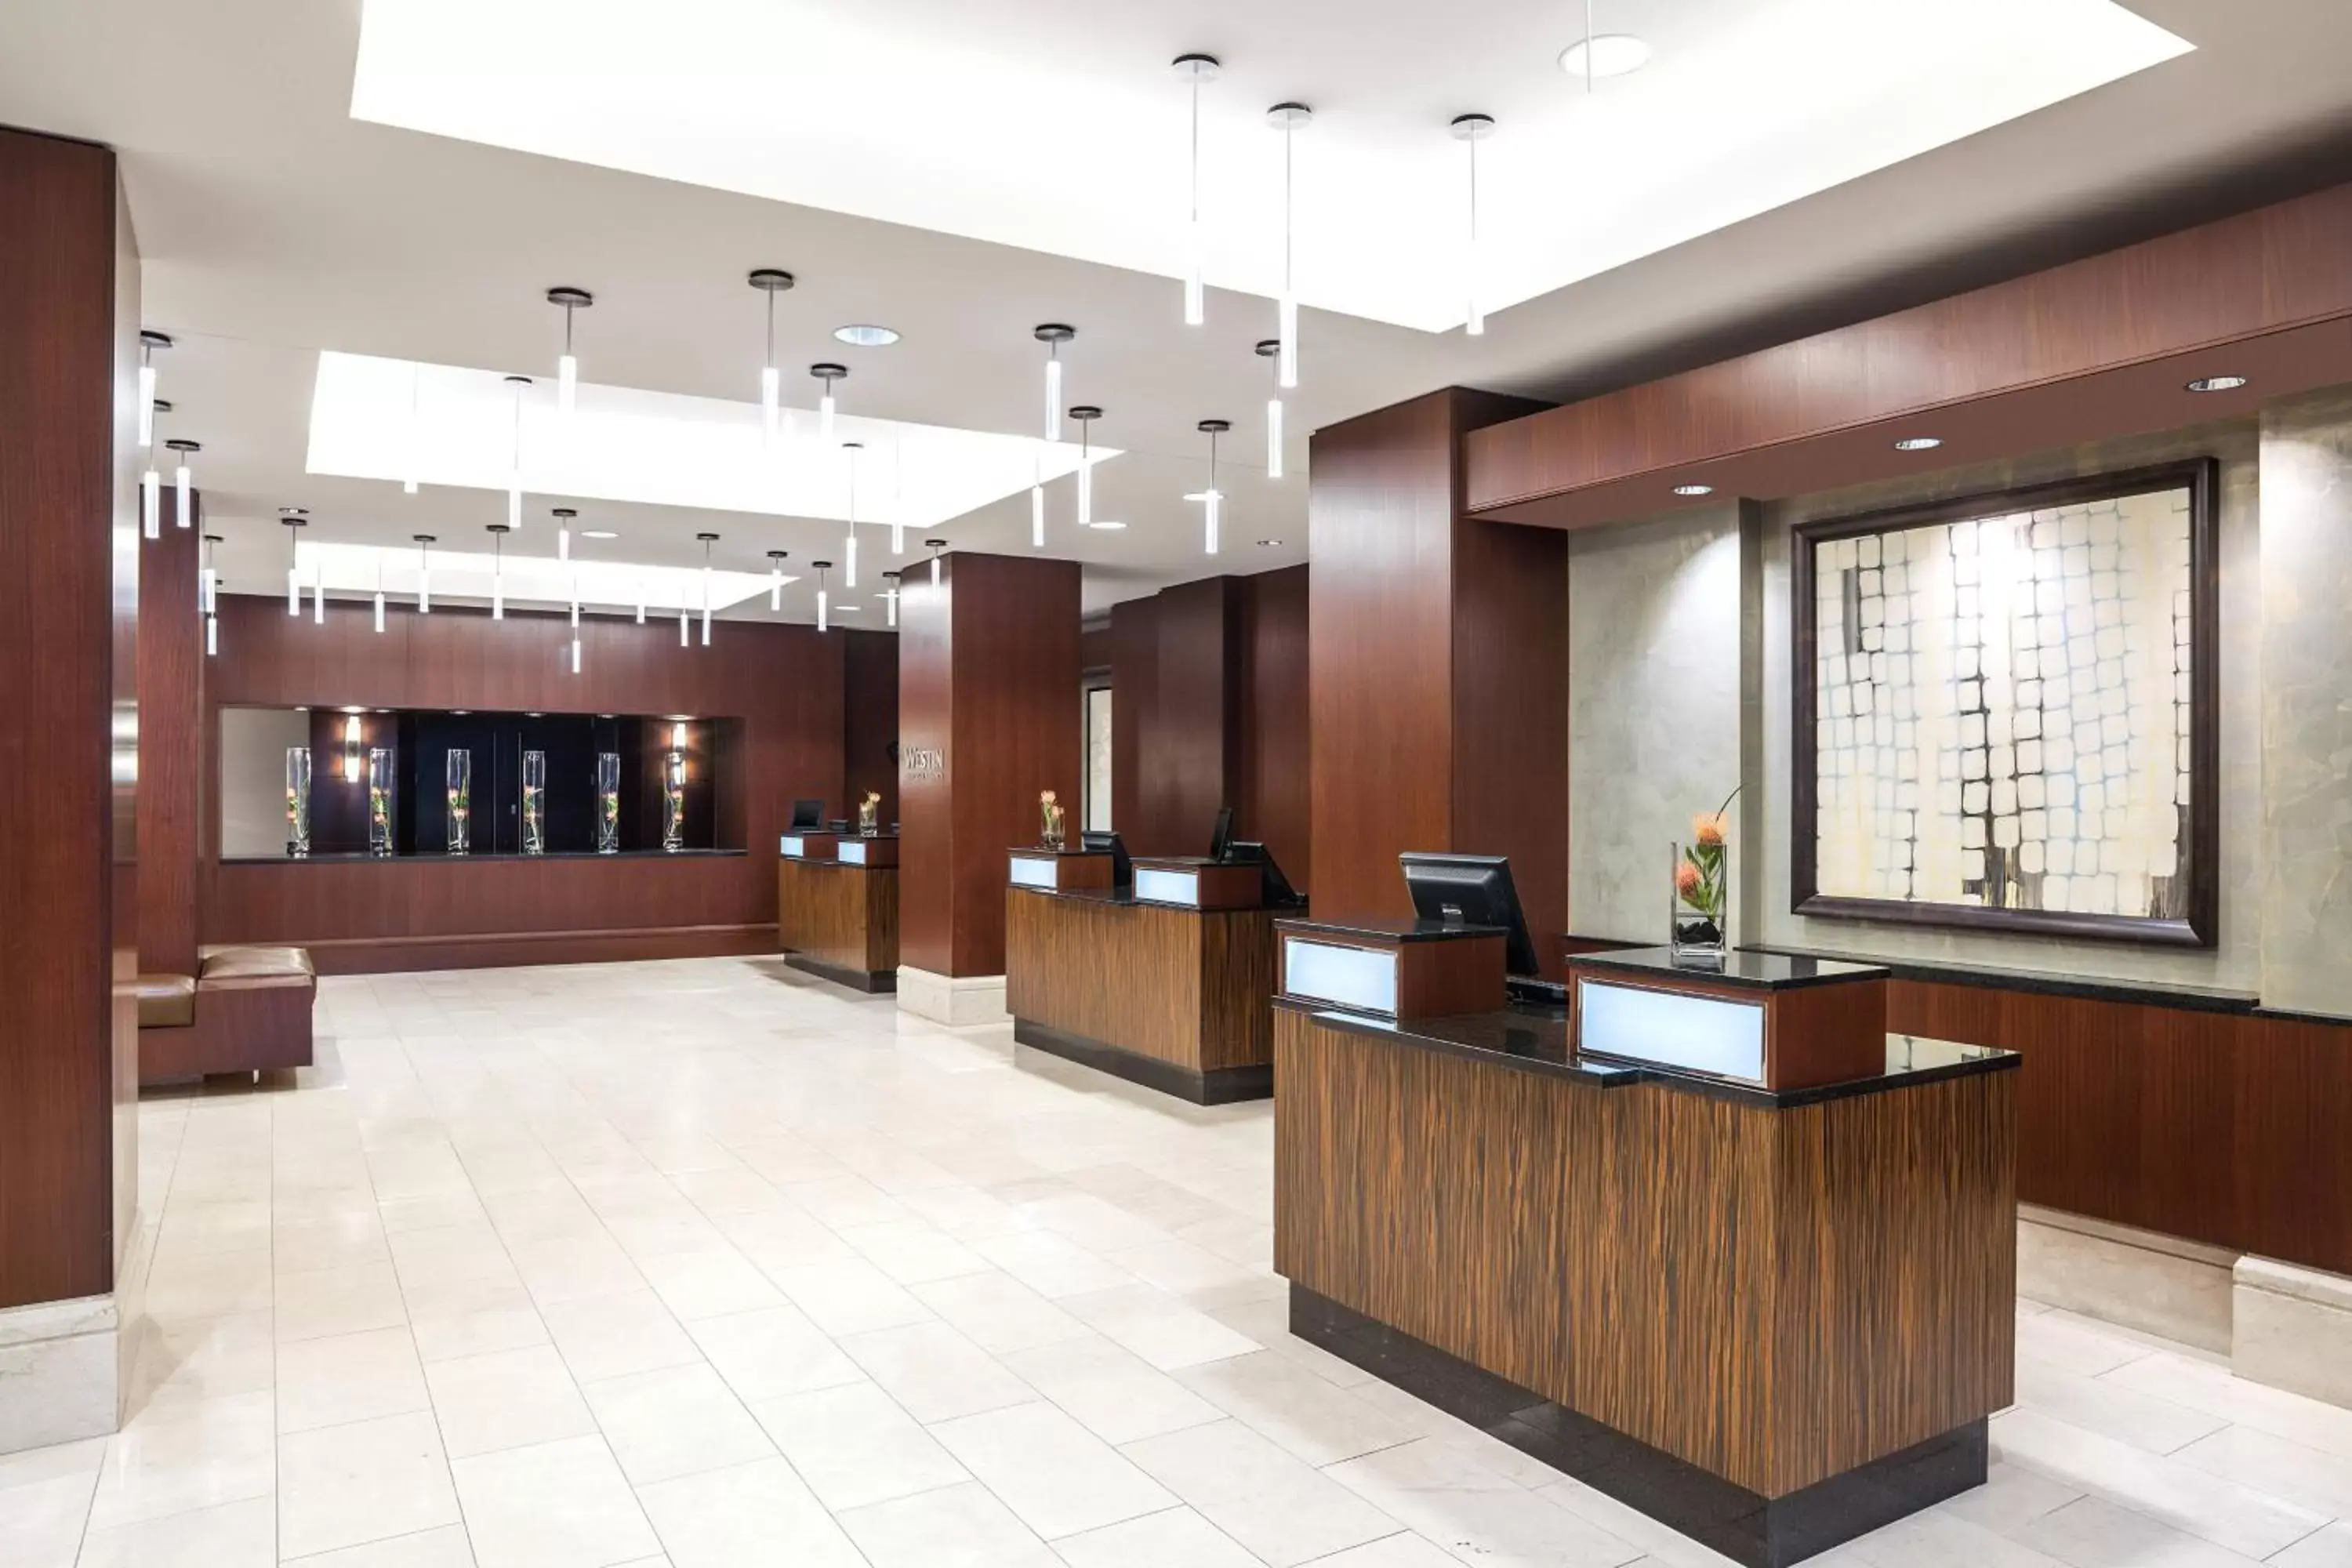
point(499, 532)
point(317, 591)
point(294, 517)
point(1054, 334)
point(1086, 414)
point(575, 650)
point(849, 576)
point(2217, 383)
point(1212, 502)
point(379, 596)
point(1471, 129)
point(1600, 54)
point(211, 600)
point(424, 573)
point(567, 369)
point(1267, 349)
point(514, 473)
point(598, 534)
point(1106, 527)
point(1694, 489)
point(1287, 118)
point(1919, 443)
point(829, 374)
point(149, 342)
point(771, 282)
point(641, 598)
point(890, 595)
point(1269, 544)
point(822, 568)
point(865, 335)
point(150, 483)
point(182, 482)
point(776, 580)
point(1038, 501)
point(1194, 70)
point(684, 639)
point(935, 546)
point(708, 540)
point(563, 516)
point(416, 426)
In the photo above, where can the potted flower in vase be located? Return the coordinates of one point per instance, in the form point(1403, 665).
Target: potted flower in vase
point(1698, 930)
point(1049, 812)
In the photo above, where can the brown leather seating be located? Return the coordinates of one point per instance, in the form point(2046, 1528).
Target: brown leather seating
point(167, 1001)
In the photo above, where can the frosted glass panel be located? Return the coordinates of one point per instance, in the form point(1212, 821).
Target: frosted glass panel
point(1359, 977)
point(1702, 1034)
point(793, 844)
point(851, 851)
point(1033, 871)
point(1159, 886)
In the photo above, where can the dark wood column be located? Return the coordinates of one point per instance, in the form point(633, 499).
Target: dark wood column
point(171, 743)
point(69, 612)
point(869, 721)
point(989, 714)
point(1438, 667)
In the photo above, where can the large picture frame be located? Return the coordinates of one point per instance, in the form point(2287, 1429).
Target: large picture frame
point(1966, 783)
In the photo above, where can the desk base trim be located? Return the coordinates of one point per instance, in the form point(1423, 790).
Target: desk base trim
point(873, 982)
point(1745, 1526)
point(1218, 1086)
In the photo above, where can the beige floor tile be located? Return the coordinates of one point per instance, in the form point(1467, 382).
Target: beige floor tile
point(709, 1284)
point(1111, 1391)
point(176, 1459)
point(551, 1505)
point(772, 1353)
point(231, 1535)
point(203, 1358)
point(855, 1446)
point(746, 1514)
point(1158, 1327)
point(41, 1521)
point(320, 1303)
point(611, 1336)
point(1276, 1506)
point(371, 1480)
point(446, 1547)
point(1284, 1401)
point(935, 1372)
point(954, 1527)
point(1057, 1476)
point(1173, 1538)
point(565, 1268)
point(208, 1285)
point(675, 1421)
point(349, 1377)
point(849, 1297)
point(506, 1399)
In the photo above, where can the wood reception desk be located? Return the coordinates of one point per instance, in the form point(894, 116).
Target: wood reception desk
point(1172, 991)
point(837, 908)
point(1772, 1318)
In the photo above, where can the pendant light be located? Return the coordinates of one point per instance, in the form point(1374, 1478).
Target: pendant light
point(563, 516)
point(1037, 499)
point(416, 426)
point(567, 369)
point(1054, 334)
point(424, 573)
point(379, 595)
point(1212, 502)
point(830, 374)
point(149, 342)
point(294, 517)
point(499, 532)
point(575, 651)
point(1471, 129)
point(776, 580)
point(1086, 414)
point(890, 595)
point(822, 567)
point(771, 282)
point(683, 640)
point(935, 546)
point(641, 598)
point(1193, 70)
point(1267, 347)
point(849, 572)
point(209, 599)
point(514, 473)
point(181, 481)
point(708, 540)
point(150, 483)
point(1288, 119)
point(317, 591)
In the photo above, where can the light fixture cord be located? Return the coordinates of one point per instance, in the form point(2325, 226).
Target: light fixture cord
point(1588, 49)
point(772, 327)
point(1289, 124)
point(1196, 152)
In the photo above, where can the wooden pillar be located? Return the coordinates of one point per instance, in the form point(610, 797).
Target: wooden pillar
point(1438, 667)
point(171, 744)
point(989, 714)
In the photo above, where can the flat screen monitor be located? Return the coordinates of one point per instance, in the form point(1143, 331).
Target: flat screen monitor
point(1096, 842)
point(808, 814)
point(1470, 889)
point(1276, 890)
point(1220, 836)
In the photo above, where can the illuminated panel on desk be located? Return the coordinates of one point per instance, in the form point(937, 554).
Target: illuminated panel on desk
point(1030, 871)
point(1158, 885)
point(1675, 1029)
point(792, 844)
point(1359, 977)
point(851, 852)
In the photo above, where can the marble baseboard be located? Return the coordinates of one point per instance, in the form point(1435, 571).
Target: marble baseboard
point(2135, 1279)
point(61, 1373)
point(2292, 1329)
point(958, 1001)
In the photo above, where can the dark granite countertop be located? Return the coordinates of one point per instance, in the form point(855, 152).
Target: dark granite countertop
point(2089, 987)
point(837, 860)
point(1039, 852)
point(1531, 1038)
point(1746, 969)
point(1387, 929)
point(439, 857)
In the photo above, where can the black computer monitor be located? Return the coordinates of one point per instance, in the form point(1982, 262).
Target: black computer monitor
point(1276, 893)
point(1097, 842)
point(1220, 836)
point(1470, 889)
point(808, 814)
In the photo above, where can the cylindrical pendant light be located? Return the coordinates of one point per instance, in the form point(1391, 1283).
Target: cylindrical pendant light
point(1054, 334)
point(499, 532)
point(1038, 501)
point(822, 567)
point(1193, 70)
point(849, 554)
point(1086, 414)
point(416, 427)
point(771, 282)
point(514, 473)
point(183, 482)
point(641, 598)
point(567, 369)
point(575, 651)
point(935, 546)
point(149, 342)
point(295, 519)
point(776, 580)
point(563, 516)
point(830, 375)
point(212, 637)
point(1267, 349)
point(317, 591)
point(379, 595)
point(708, 540)
point(890, 595)
point(1471, 129)
point(150, 483)
point(1288, 119)
point(424, 573)
point(209, 587)
point(683, 640)
point(1212, 502)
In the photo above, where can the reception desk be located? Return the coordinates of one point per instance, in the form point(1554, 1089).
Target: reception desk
point(1171, 996)
point(838, 909)
point(1772, 1318)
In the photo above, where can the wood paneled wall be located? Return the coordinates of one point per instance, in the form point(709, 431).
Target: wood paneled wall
point(869, 722)
point(988, 683)
point(1209, 709)
point(171, 789)
point(783, 682)
point(1438, 668)
point(67, 630)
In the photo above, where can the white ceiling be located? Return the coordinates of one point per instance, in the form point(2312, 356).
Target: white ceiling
point(274, 226)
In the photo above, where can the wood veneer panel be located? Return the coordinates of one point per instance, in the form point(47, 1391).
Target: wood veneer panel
point(869, 722)
point(846, 916)
point(510, 950)
point(1272, 795)
point(1134, 638)
point(171, 749)
point(1188, 988)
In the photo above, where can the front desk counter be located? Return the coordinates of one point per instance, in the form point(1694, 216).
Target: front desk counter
point(837, 908)
point(1771, 1318)
point(1175, 996)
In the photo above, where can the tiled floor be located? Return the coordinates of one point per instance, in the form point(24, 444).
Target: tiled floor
point(708, 1264)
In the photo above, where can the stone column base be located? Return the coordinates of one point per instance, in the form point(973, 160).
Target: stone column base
point(958, 1002)
point(2137, 1278)
point(2292, 1329)
point(60, 1372)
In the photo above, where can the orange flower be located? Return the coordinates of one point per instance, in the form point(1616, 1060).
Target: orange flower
point(1687, 878)
point(1707, 827)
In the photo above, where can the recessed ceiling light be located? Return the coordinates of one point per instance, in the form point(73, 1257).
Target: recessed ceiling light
point(1919, 443)
point(1269, 544)
point(1613, 54)
point(598, 534)
point(846, 609)
point(1694, 489)
point(865, 335)
point(2217, 383)
point(1106, 526)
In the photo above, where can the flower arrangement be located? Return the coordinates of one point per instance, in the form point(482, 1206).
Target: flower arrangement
point(1698, 930)
point(870, 814)
point(1050, 828)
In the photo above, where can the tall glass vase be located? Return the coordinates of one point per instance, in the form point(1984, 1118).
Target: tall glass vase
point(674, 801)
point(458, 776)
point(298, 801)
point(381, 800)
point(1698, 930)
point(608, 802)
point(534, 803)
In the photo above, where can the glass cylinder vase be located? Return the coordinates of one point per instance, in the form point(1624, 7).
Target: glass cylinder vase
point(1698, 930)
point(674, 801)
point(298, 801)
point(458, 777)
point(534, 803)
point(870, 818)
point(381, 800)
point(608, 802)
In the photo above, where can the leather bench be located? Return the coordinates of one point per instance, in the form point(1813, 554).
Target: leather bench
point(247, 1009)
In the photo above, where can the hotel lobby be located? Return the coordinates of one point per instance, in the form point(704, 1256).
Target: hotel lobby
point(999, 787)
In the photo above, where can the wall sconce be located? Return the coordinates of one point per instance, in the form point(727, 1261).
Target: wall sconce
point(351, 749)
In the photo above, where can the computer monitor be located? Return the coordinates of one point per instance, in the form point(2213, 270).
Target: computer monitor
point(1276, 891)
point(1470, 889)
point(1220, 836)
point(808, 814)
point(1097, 842)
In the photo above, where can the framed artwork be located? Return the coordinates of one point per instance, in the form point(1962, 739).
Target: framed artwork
point(2005, 710)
